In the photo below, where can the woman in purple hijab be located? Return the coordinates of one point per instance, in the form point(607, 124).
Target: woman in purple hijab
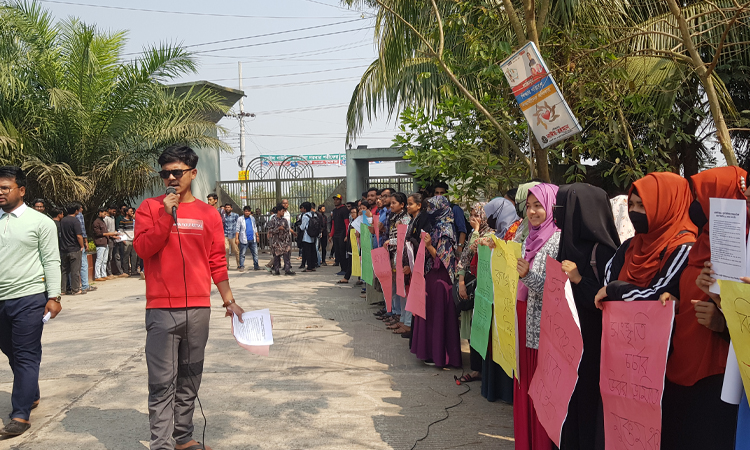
point(543, 240)
point(436, 340)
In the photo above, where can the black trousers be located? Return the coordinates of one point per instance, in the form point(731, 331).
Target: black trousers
point(309, 255)
point(339, 249)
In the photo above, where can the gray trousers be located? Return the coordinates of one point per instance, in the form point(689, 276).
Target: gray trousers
point(174, 356)
point(129, 259)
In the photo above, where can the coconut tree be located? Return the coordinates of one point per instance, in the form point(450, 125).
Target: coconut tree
point(85, 123)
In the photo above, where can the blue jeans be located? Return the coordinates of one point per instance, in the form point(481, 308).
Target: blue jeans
point(21, 341)
point(84, 271)
point(253, 246)
point(317, 249)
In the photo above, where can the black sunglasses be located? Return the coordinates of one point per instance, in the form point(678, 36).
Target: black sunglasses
point(177, 173)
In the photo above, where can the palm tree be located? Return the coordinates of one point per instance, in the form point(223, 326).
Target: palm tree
point(83, 122)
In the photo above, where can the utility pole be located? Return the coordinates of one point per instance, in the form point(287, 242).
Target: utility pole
point(242, 121)
point(241, 117)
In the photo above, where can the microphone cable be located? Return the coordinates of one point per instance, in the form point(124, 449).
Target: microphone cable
point(187, 336)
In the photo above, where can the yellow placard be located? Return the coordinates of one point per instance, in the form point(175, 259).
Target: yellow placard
point(735, 304)
point(505, 281)
point(356, 264)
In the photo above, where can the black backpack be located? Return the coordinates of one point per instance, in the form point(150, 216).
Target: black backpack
point(314, 227)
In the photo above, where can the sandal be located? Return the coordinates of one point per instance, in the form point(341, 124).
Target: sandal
point(395, 326)
point(342, 282)
point(401, 330)
point(466, 379)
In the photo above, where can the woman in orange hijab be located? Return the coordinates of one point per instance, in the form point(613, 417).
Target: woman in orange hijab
point(651, 262)
point(695, 369)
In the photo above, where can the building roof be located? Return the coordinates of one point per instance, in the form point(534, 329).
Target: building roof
point(229, 96)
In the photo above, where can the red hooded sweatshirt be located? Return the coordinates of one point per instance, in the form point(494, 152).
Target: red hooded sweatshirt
point(156, 241)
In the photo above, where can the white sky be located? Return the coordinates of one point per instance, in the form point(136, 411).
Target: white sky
point(277, 78)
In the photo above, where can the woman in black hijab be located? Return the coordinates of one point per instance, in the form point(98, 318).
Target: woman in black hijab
point(588, 240)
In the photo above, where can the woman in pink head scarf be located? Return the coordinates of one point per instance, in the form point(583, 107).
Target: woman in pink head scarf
point(543, 240)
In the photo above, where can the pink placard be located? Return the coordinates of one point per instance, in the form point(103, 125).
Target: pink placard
point(417, 298)
point(376, 226)
point(560, 351)
point(401, 237)
point(381, 265)
point(635, 341)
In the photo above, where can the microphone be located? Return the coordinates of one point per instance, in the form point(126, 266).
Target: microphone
point(171, 190)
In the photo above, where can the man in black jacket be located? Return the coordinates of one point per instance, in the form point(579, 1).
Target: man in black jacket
point(338, 229)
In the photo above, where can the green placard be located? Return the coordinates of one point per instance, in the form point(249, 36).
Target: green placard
point(365, 239)
point(483, 299)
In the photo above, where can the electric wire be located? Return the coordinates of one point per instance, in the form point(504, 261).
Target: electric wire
point(188, 13)
point(301, 38)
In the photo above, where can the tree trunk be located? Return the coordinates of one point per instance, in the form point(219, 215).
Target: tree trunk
point(542, 164)
point(722, 132)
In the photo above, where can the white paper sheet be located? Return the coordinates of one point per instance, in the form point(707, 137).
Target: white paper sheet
point(727, 219)
point(256, 328)
point(731, 392)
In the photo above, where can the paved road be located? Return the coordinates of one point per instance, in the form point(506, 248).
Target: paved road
point(336, 379)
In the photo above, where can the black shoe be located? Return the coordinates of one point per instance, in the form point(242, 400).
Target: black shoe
point(406, 335)
point(309, 270)
point(256, 268)
point(335, 264)
point(301, 267)
point(324, 263)
point(290, 273)
point(15, 428)
point(276, 272)
point(341, 273)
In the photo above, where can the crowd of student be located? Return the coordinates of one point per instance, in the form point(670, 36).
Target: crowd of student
point(651, 245)
point(111, 233)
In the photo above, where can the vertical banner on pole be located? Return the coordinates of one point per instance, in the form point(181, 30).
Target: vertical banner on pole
point(545, 109)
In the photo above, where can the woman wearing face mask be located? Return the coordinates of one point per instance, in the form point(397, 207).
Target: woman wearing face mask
point(502, 217)
point(436, 340)
point(695, 369)
point(398, 216)
point(588, 240)
point(543, 240)
point(651, 263)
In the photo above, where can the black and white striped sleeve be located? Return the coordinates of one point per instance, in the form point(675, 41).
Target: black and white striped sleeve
point(667, 280)
point(614, 265)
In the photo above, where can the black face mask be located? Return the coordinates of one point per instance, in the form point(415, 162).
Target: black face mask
point(697, 216)
point(639, 221)
point(492, 222)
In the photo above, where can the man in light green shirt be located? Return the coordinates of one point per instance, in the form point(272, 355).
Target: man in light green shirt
point(29, 290)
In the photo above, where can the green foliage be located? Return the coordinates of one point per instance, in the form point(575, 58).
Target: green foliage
point(85, 123)
point(457, 145)
point(622, 68)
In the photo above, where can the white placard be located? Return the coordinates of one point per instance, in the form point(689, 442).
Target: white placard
point(727, 221)
point(255, 329)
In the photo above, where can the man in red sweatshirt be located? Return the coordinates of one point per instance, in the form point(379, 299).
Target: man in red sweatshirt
point(179, 268)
